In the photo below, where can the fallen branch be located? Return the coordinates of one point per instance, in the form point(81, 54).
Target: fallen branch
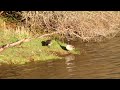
point(3, 47)
point(48, 34)
point(83, 38)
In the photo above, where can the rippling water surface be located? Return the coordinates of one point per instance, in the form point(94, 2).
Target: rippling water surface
point(97, 60)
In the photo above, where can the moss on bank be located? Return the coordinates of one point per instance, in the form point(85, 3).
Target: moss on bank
point(28, 51)
point(33, 51)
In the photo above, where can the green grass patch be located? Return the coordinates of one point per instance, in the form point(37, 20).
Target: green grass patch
point(32, 51)
point(28, 51)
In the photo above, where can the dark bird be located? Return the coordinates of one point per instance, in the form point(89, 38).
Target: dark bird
point(46, 43)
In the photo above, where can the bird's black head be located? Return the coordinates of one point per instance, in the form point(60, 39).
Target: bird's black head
point(46, 43)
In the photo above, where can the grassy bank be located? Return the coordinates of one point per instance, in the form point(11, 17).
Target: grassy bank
point(29, 51)
point(33, 51)
point(85, 25)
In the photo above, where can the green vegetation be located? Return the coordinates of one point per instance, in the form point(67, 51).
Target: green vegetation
point(85, 25)
point(33, 51)
point(29, 51)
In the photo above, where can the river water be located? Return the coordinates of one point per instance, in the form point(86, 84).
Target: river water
point(97, 60)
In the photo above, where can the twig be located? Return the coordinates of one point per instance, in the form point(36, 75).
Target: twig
point(3, 47)
point(1, 12)
point(48, 34)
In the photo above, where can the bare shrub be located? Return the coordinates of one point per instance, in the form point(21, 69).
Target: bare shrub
point(87, 25)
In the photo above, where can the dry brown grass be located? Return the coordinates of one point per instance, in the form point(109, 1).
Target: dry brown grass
point(86, 25)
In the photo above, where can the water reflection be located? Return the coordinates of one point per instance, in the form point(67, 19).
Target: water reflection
point(70, 65)
point(97, 60)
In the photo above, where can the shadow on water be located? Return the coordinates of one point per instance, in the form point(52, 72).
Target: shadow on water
point(97, 60)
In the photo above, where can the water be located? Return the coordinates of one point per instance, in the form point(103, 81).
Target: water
point(97, 60)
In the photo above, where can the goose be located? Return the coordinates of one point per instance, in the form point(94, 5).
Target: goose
point(70, 47)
